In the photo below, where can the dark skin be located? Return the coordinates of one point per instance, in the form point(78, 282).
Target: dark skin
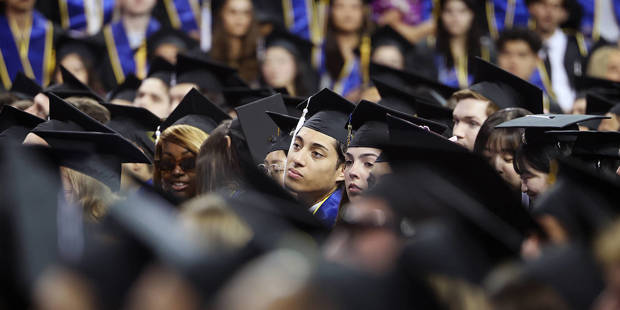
point(177, 181)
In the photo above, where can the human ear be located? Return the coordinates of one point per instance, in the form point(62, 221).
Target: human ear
point(228, 141)
point(340, 173)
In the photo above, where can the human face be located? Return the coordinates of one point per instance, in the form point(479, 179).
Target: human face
point(167, 51)
point(457, 18)
point(40, 106)
point(502, 162)
point(579, 106)
point(534, 182)
point(274, 162)
point(177, 92)
point(518, 58)
point(389, 55)
point(611, 124)
point(312, 169)
point(20, 5)
point(138, 7)
point(73, 63)
point(359, 162)
point(279, 67)
point(365, 238)
point(613, 67)
point(547, 15)
point(237, 17)
point(347, 15)
point(177, 181)
point(153, 96)
point(468, 116)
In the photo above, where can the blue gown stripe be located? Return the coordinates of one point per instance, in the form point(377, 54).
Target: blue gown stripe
point(328, 211)
point(36, 52)
point(186, 15)
point(301, 19)
point(9, 49)
point(77, 13)
point(123, 49)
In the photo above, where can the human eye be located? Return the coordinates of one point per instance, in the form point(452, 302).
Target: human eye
point(317, 155)
point(296, 146)
point(369, 164)
point(348, 163)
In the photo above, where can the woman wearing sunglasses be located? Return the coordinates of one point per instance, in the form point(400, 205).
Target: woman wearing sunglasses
point(175, 160)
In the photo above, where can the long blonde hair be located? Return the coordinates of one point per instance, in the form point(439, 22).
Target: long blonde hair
point(185, 136)
point(597, 66)
point(89, 193)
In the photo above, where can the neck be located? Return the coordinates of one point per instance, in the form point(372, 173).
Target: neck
point(20, 17)
point(234, 48)
point(458, 45)
point(136, 23)
point(313, 198)
point(291, 89)
point(347, 41)
point(544, 35)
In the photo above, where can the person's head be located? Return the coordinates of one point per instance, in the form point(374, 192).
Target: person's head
point(389, 55)
point(87, 192)
point(315, 165)
point(347, 16)
point(153, 96)
point(456, 18)
point(359, 163)
point(533, 164)
point(518, 51)
point(20, 5)
point(470, 111)
point(279, 67)
point(218, 163)
point(499, 145)
point(579, 106)
point(177, 92)
point(76, 65)
point(137, 7)
point(175, 160)
point(604, 63)
point(548, 15)
point(274, 164)
point(90, 107)
point(236, 17)
point(40, 106)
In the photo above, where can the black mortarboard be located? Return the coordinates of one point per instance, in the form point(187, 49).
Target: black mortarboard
point(126, 90)
point(281, 141)
point(71, 87)
point(593, 144)
point(369, 121)
point(386, 35)
point(408, 80)
point(299, 47)
point(405, 102)
point(16, 124)
point(328, 113)
point(206, 74)
point(172, 36)
point(405, 133)
point(88, 49)
point(96, 154)
point(269, 11)
point(587, 83)
point(238, 96)
point(136, 124)
point(195, 110)
point(65, 117)
point(291, 103)
point(161, 69)
point(598, 105)
point(24, 87)
point(536, 125)
point(505, 89)
point(257, 126)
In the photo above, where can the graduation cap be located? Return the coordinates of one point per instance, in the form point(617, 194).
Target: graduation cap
point(172, 36)
point(16, 124)
point(65, 117)
point(593, 144)
point(96, 154)
point(71, 87)
point(599, 105)
point(208, 75)
point(268, 11)
point(402, 101)
point(405, 133)
point(195, 110)
point(408, 80)
point(161, 69)
point(536, 125)
point(328, 113)
point(24, 87)
point(387, 36)
point(88, 49)
point(587, 83)
point(126, 90)
point(505, 89)
point(238, 96)
point(257, 127)
point(299, 47)
point(136, 124)
point(286, 125)
point(369, 121)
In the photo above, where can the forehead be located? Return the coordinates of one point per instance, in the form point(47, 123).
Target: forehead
point(358, 151)
point(277, 51)
point(312, 136)
point(517, 45)
point(470, 107)
point(174, 149)
point(153, 85)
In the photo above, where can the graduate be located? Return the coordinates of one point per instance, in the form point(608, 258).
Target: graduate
point(27, 43)
point(82, 17)
point(153, 91)
point(276, 157)
point(315, 162)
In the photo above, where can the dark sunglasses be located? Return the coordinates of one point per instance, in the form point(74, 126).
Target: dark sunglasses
point(187, 164)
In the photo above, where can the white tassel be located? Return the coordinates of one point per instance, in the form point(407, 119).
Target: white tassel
point(300, 124)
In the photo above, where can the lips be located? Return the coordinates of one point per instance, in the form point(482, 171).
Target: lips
point(354, 189)
point(179, 186)
point(294, 174)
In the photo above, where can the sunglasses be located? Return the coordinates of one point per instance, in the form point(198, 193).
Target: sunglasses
point(186, 164)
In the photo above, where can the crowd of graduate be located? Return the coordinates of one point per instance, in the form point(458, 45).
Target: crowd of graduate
point(310, 154)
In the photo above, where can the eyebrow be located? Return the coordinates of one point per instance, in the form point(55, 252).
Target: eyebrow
point(369, 154)
point(319, 146)
point(184, 152)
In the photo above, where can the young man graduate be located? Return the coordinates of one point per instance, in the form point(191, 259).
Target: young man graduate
point(315, 161)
